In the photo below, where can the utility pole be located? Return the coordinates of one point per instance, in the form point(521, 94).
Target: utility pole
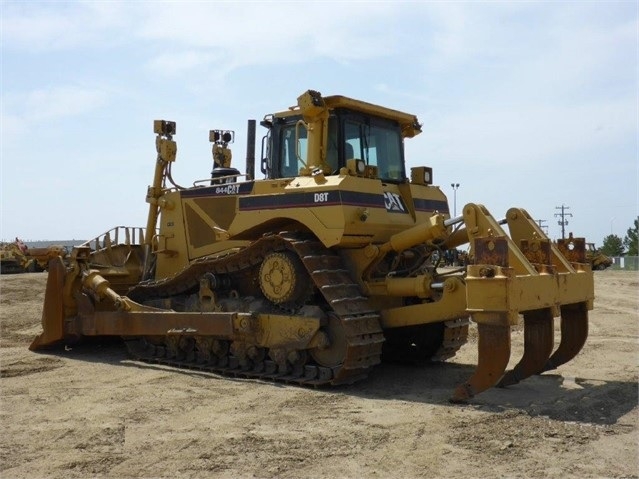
point(543, 227)
point(563, 222)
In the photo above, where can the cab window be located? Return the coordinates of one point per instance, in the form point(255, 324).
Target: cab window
point(290, 164)
point(378, 143)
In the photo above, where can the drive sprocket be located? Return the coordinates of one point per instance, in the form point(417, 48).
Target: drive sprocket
point(282, 277)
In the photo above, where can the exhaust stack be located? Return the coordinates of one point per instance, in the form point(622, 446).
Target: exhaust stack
point(250, 151)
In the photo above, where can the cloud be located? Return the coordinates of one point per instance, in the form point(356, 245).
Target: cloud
point(51, 26)
point(180, 61)
point(11, 126)
point(180, 37)
point(452, 37)
point(543, 134)
point(25, 112)
point(59, 102)
point(280, 33)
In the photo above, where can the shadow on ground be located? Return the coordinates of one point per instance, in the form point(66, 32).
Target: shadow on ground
point(550, 395)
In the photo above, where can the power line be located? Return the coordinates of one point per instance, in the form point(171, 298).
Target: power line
point(544, 228)
point(563, 222)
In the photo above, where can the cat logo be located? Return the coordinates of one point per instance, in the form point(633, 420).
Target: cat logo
point(394, 202)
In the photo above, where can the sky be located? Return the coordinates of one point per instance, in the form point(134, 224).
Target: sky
point(526, 104)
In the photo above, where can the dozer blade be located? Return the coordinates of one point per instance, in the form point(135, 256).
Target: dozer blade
point(538, 344)
point(494, 353)
point(53, 311)
point(574, 331)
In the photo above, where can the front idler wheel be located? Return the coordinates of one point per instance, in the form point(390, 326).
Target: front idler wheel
point(333, 354)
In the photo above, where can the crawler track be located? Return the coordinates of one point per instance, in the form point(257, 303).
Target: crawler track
point(455, 336)
point(359, 322)
point(426, 343)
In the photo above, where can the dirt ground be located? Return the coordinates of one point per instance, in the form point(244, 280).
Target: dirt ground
point(93, 412)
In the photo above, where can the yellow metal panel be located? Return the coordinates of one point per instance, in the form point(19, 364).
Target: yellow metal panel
point(452, 305)
point(577, 287)
point(292, 332)
point(170, 243)
point(513, 294)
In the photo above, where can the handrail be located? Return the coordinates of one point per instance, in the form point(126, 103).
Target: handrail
point(126, 235)
point(209, 180)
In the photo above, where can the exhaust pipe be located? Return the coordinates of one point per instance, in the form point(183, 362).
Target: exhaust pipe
point(250, 150)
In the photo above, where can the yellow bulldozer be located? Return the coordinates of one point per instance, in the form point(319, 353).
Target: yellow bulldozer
point(598, 260)
point(17, 257)
point(324, 268)
point(42, 256)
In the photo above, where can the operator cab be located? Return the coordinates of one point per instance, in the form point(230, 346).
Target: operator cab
point(350, 134)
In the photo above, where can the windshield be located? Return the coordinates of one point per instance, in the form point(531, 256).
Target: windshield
point(350, 135)
point(378, 143)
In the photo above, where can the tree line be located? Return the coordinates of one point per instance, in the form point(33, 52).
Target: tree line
point(613, 245)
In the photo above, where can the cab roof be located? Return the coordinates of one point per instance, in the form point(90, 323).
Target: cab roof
point(409, 123)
